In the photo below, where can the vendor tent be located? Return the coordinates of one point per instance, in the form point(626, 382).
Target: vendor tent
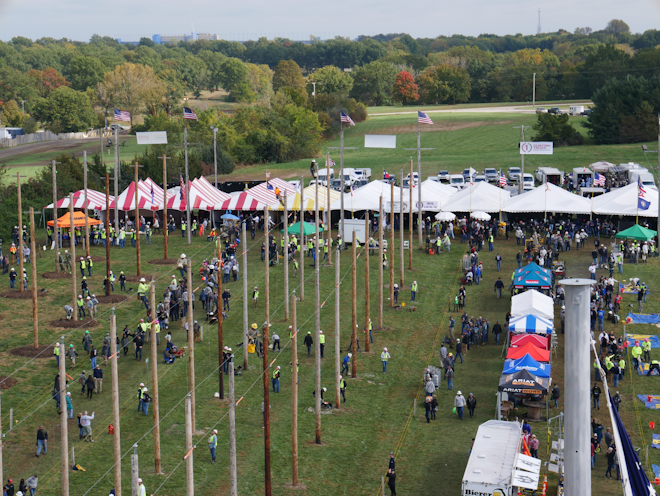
point(524, 382)
point(95, 200)
point(532, 302)
point(309, 195)
point(64, 222)
point(241, 201)
point(529, 364)
point(177, 201)
point(271, 192)
point(308, 229)
point(210, 193)
point(519, 340)
point(153, 192)
point(126, 200)
point(434, 196)
point(538, 354)
point(293, 203)
point(531, 324)
point(625, 202)
point(368, 198)
point(548, 198)
point(601, 166)
point(478, 197)
point(532, 276)
point(637, 232)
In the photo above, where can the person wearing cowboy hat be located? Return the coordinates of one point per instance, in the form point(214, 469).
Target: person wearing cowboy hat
point(182, 264)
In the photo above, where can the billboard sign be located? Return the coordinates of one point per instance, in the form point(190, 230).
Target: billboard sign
point(536, 147)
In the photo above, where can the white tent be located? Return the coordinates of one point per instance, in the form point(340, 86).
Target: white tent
point(601, 166)
point(478, 197)
point(624, 201)
point(534, 303)
point(434, 196)
point(367, 197)
point(548, 198)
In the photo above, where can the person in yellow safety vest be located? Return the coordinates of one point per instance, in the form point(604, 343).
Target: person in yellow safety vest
point(326, 248)
point(283, 240)
point(646, 350)
point(596, 370)
point(83, 266)
point(608, 362)
point(384, 257)
point(141, 389)
point(144, 327)
point(636, 353)
point(255, 297)
point(90, 264)
point(372, 246)
point(134, 236)
point(384, 357)
point(342, 387)
point(81, 307)
point(194, 227)
point(490, 242)
point(113, 278)
point(655, 365)
point(213, 444)
point(183, 228)
point(157, 332)
point(296, 266)
point(276, 379)
point(310, 247)
point(413, 291)
point(143, 287)
point(622, 367)
point(370, 328)
point(56, 353)
point(321, 342)
point(357, 243)
point(438, 245)
point(339, 241)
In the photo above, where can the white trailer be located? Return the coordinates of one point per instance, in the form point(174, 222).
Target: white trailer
point(549, 175)
point(575, 109)
point(356, 225)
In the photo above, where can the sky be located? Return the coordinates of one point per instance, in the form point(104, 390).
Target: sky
point(295, 19)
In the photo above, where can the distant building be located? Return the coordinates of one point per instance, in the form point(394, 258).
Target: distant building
point(161, 39)
point(10, 132)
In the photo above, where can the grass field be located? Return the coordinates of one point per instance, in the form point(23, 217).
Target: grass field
point(376, 419)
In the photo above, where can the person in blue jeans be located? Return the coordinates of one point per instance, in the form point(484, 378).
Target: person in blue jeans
point(145, 401)
point(601, 319)
point(459, 403)
point(42, 440)
point(449, 375)
point(459, 350)
point(498, 259)
point(384, 357)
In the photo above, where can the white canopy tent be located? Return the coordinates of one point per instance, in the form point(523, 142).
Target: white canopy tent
point(548, 198)
point(478, 197)
point(601, 166)
point(534, 303)
point(624, 201)
point(367, 197)
point(434, 196)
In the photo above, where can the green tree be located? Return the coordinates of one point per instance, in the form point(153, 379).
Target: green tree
point(194, 73)
point(11, 114)
point(260, 79)
point(373, 83)
point(330, 79)
point(641, 126)
point(65, 110)
point(235, 80)
point(616, 27)
point(47, 80)
point(213, 61)
point(444, 83)
point(598, 67)
point(556, 128)
point(405, 89)
point(85, 72)
point(288, 75)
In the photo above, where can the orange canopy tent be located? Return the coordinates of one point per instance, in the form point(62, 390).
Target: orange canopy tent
point(538, 354)
point(64, 222)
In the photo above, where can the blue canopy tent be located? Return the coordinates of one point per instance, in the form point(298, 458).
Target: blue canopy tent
point(530, 324)
point(532, 276)
point(527, 363)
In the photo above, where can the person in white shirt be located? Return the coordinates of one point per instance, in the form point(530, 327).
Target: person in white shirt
point(592, 271)
point(86, 423)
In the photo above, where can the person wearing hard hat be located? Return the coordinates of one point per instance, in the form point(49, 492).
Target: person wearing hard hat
point(56, 353)
point(143, 288)
point(384, 357)
point(213, 443)
point(90, 264)
point(345, 362)
point(142, 491)
point(276, 379)
point(81, 307)
point(342, 387)
point(83, 266)
point(73, 354)
point(321, 342)
point(255, 297)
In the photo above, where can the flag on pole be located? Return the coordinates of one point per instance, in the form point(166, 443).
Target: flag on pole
point(189, 114)
point(122, 115)
point(352, 187)
point(182, 188)
point(153, 196)
point(423, 118)
point(641, 202)
point(547, 186)
point(502, 179)
point(599, 180)
point(346, 118)
point(331, 163)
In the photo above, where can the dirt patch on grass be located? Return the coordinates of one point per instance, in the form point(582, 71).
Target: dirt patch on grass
point(147, 277)
point(164, 261)
point(437, 126)
point(25, 295)
point(44, 351)
point(56, 275)
point(72, 324)
point(7, 382)
point(111, 298)
point(98, 259)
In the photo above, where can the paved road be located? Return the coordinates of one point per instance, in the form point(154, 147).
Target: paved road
point(511, 109)
point(45, 147)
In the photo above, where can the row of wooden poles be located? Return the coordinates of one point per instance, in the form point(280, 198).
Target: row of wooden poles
point(266, 365)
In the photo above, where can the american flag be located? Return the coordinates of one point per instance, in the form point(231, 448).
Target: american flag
point(189, 114)
point(346, 118)
point(182, 187)
point(423, 118)
point(599, 180)
point(331, 163)
point(502, 179)
point(122, 115)
point(640, 188)
point(641, 202)
point(153, 197)
point(352, 189)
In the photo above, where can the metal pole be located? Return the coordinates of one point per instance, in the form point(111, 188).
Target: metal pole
point(267, 481)
point(73, 258)
point(577, 461)
point(391, 257)
point(64, 425)
point(221, 379)
point(411, 227)
point(55, 230)
point(35, 313)
point(302, 239)
point(534, 91)
point(215, 157)
point(86, 218)
point(341, 162)
point(286, 258)
point(233, 485)
point(135, 471)
point(137, 221)
point(380, 262)
point(419, 190)
point(354, 308)
point(294, 393)
point(116, 415)
point(165, 223)
point(154, 381)
point(658, 226)
point(107, 235)
point(337, 327)
point(21, 257)
point(190, 474)
point(317, 317)
point(367, 306)
point(327, 216)
point(245, 296)
point(191, 344)
point(401, 225)
point(188, 221)
point(116, 178)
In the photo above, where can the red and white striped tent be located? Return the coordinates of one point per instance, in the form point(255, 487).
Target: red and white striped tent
point(146, 187)
point(126, 200)
point(242, 201)
point(210, 193)
point(176, 201)
point(265, 195)
point(95, 200)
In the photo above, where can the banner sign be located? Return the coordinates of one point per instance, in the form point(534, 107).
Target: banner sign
point(536, 147)
point(380, 141)
point(152, 138)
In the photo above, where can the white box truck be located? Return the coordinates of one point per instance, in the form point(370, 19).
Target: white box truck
point(580, 173)
point(647, 179)
point(549, 175)
point(575, 109)
point(356, 225)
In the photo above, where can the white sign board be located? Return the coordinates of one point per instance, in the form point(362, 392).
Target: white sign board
point(152, 138)
point(427, 206)
point(536, 147)
point(380, 140)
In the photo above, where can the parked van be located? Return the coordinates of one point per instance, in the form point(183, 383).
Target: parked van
point(549, 175)
point(575, 109)
point(322, 176)
point(457, 181)
point(364, 173)
point(646, 178)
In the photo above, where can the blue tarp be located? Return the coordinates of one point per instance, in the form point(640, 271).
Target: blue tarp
point(653, 404)
point(527, 363)
point(656, 468)
point(639, 318)
point(654, 340)
point(655, 444)
point(644, 368)
point(530, 324)
point(532, 276)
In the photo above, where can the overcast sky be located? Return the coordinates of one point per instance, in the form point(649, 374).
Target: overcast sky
point(296, 19)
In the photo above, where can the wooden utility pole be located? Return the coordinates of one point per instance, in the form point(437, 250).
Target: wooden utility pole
point(245, 296)
point(354, 309)
point(64, 423)
point(135, 471)
point(35, 314)
point(294, 394)
point(337, 327)
point(328, 227)
point(107, 235)
point(233, 484)
point(55, 230)
point(86, 205)
point(137, 223)
point(165, 223)
point(286, 259)
point(265, 371)
point(401, 226)
point(317, 316)
point(154, 380)
point(391, 257)
point(367, 306)
point(411, 223)
point(2, 475)
point(381, 221)
point(21, 261)
point(191, 344)
point(72, 239)
point(190, 475)
point(302, 239)
point(221, 379)
point(116, 414)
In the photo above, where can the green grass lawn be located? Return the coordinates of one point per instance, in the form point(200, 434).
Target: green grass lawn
point(356, 439)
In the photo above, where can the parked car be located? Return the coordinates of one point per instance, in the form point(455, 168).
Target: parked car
point(586, 112)
point(555, 111)
point(528, 181)
point(514, 174)
point(541, 110)
point(469, 173)
point(360, 182)
point(119, 126)
point(479, 178)
point(492, 176)
point(443, 175)
point(457, 181)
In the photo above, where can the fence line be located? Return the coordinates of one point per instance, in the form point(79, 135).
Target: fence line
point(47, 136)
